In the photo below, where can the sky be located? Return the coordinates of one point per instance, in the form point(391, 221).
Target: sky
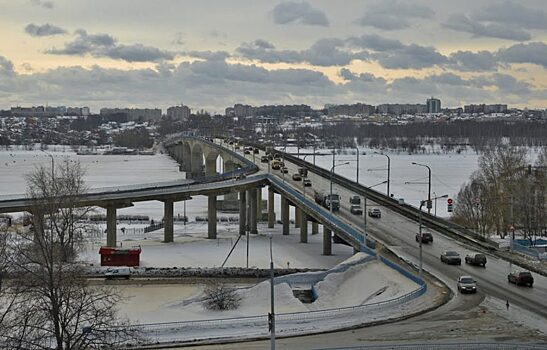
point(211, 54)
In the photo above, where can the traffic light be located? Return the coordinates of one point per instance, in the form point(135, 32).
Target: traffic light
point(450, 205)
point(270, 322)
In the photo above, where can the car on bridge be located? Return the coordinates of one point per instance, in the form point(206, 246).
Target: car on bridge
point(427, 237)
point(375, 213)
point(354, 200)
point(296, 177)
point(256, 151)
point(476, 259)
point(306, 182)
point(451, 257)
point(356, 209)
point(264, 159)
point(521, 278)
point(284, 170)
point(466, 284)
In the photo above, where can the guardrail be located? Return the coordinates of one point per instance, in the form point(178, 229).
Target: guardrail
point(447, 346)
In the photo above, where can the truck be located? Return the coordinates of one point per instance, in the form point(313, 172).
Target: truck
point(325, 200)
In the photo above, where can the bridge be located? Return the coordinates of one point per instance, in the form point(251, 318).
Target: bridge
point(241, 180)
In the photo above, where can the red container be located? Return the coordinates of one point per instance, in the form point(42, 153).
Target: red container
point(120, 256)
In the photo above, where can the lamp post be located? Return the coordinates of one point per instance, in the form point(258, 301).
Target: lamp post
point(428, 187)
point(388, 170)
point(435, 197)
point(52, 164)
point(420, 237)
point(272, 309)
point(331, 178)
point(304, 176)
point(357, 175)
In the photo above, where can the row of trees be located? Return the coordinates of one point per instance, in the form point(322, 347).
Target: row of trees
point(45, 303)
point(506, 193)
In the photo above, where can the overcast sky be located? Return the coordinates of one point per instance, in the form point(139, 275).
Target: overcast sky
point(211, 54)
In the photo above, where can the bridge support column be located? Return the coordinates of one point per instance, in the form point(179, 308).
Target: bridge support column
point(242, 212)
point(168, 221)
point(327, 241)
point(314, 228)
point(210, 166)
point(271, 206)
point(259, 204)
point(212, 217)
point(303, 228)
point(111, 226)
point(285, 214)
point(252, 216)
point(297, 217)
point(229, 166)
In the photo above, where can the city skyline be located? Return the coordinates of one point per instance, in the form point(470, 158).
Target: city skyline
point(212, 54)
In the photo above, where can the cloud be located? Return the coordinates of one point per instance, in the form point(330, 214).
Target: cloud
point(376, 42)
point(410, 57)
point(462, 23)
point(105, 45)
point(44, 30)
point(209, 55)
point(393, 15)
point(299, 13)
point(6, 67)
point(324, 52)
point(535, 53)
point(467, 61)
point(43, 3)
point(179, 39)
point(510, 12)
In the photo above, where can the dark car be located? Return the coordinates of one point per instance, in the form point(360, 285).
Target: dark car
point(247, 151)
point(466, 284)
point(354, 200)
point(306, 182)
point(256, 151)
point(476, 259)
point(522, 278)
point(284, 170)
point(427, 237)
point(296, 177)
point(264, 159)
point(451, 257)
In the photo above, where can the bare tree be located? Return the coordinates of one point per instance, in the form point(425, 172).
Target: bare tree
point(50, 304)
point(218, 296)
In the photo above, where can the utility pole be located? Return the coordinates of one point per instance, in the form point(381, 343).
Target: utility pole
point(420, 236)
point(272, 298)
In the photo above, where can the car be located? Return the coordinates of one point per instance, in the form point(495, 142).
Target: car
point(427, 237)
point(466, 284)
point(256, 151)
point(521, 277)
point(451, 257)
point(354, 200)
point(118, 272)
point(296, 177)
point(264, 159)
point(374, 213)
point(356, 209)
point(284, 170)
point(277, 156)
point(475, 259)
point(306, 182)
point(247, 151)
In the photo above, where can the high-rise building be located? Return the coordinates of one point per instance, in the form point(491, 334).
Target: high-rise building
point(433, 105)
point(179, 112)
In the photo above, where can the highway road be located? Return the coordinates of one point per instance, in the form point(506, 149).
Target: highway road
point(398, 233)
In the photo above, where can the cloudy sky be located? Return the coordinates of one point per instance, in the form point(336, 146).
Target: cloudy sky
point(213, 53)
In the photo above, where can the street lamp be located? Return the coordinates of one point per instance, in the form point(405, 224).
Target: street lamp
point(52, 164)
point(435, 197)
point(272, 310)
point(357, 176)
point(429, 186)
point(388, 169)
point(331, 178)
point(420, 237)
point(304, 176)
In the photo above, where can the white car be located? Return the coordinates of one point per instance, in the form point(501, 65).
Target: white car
point(118, 272)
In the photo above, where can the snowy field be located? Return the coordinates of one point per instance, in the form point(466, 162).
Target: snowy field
point(191, 248)
point(171, 303)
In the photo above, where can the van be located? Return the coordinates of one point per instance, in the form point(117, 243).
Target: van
point(118, 272)
point(476, 259)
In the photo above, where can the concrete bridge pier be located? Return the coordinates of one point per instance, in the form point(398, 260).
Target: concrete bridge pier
point(168, 221)
point(212, 217)
point(111, 226)
point(197, 161)
point(211, 164)
point(303, 227)
point(229, 165)
point(242, 212)
point(254, 211)
point(327, 241)
point(271, 206)
point(259, 204)
point(285, 215)
point(297, 217)
point(314, 227)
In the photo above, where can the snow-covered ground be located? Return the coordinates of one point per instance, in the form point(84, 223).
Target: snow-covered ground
point(191, 248)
